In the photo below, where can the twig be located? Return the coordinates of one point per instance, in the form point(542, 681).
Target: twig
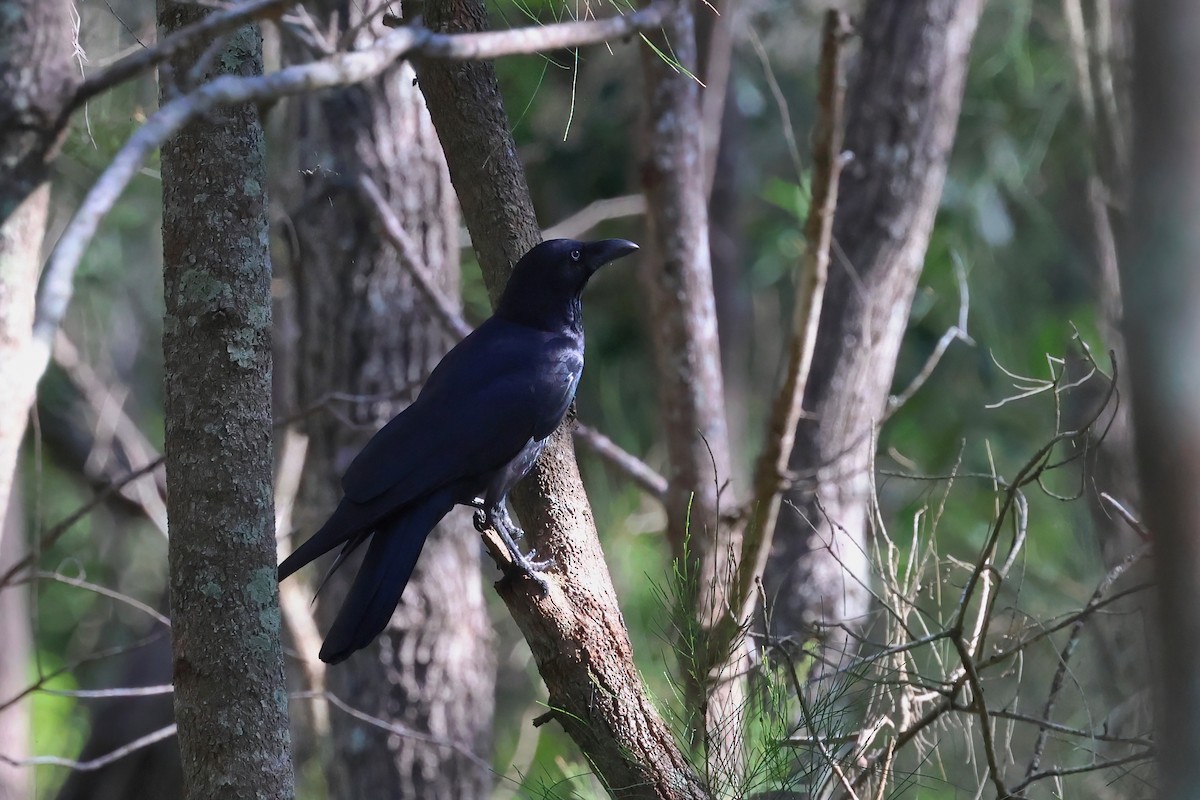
point(214, 24)
point(957, 332)
point(51, 536)
point(446, 311)
point(147, 492)
point(591, 215)
point(1068, 650)
point(979, 706)
point(1126, 515)
point(810, 288)
point(394, 727)
point(1095, 766)
point(104, 591)
point(630, 465)
point(95, 763)
point(809, 720)
point(130, 691)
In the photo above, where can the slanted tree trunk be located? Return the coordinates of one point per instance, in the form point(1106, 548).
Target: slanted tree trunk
point(575, 631)
point(230, 701)
point(366, 329)
point(902, 109)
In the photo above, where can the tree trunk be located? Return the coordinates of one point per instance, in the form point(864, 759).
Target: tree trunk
point(575, 630)
point(37, 78)
point(691, 387)
point(366, 329)
point(16, 633)
point(902, 109)
point(1160, 281)
point(230, 700)
point(37, 81)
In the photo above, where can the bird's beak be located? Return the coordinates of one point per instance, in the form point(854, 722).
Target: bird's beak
point(606, 250)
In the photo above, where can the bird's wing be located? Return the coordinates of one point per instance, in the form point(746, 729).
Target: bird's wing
point(500, 387)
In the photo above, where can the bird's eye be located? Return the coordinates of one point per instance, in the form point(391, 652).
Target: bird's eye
point(576, 255)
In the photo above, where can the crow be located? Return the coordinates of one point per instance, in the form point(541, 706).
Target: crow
point(475, 430)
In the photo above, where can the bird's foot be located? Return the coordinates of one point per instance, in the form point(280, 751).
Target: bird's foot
point(501, 523)
point(531, 569)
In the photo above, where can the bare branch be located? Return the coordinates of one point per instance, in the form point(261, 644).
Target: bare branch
point(630, 465)
point(810, 289)
point(394, 232)
point(295, 599)
point(215, 24)
point(1064, 657)
point(112, 594)
point(51, 536)
point(95, 763)
point(596, 212)
point(146, 492)
point(957, 332)
point(391, 727)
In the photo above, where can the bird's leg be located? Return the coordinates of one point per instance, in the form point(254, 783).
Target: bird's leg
point(496, 517)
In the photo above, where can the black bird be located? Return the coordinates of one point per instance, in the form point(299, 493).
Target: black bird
point(474, 431)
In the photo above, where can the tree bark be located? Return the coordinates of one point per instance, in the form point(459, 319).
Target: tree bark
point(366, 329)
point(16, 633)
point(1160, 281)
point(575, 630)
point(37, 79)
point(230, 700)
point(691, 386)
point(902, 110)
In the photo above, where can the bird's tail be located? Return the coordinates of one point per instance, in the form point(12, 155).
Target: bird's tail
point(347, 525)
point(381, 579)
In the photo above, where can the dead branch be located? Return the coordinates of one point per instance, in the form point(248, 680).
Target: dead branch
point(771, 467)
point(95, 763)
point(51, 536)
point(214, 24)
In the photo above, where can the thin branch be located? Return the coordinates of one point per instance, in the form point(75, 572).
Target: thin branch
point(95, 763)
point(957, 332)
point(94, 694)
point(147, 492)
point(393, 231)
point(1145, 755)
point(215, 24)
point(630, 465)
point(295, 600)
point(1068, 650)
point(1126, 515)
point(103, 591)
point(393, 727)
point(596, 212)
point(54, 534)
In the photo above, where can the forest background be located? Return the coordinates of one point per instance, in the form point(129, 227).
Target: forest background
point(1007, 346)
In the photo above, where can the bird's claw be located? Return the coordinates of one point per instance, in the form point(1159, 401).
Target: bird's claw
point(532, 570)
point(509, 533)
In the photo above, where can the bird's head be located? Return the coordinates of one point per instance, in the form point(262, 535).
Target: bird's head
point(546, 284)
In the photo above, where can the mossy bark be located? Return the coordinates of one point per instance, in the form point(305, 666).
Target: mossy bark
point(230, 700)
